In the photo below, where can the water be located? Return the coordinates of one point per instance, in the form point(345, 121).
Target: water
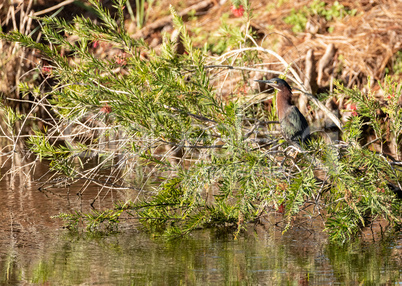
point(36, 250)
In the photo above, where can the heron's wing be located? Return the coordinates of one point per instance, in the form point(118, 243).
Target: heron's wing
point(295, 127)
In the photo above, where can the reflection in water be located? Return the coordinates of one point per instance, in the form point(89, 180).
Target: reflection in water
point(203, 258)
point(35, 249)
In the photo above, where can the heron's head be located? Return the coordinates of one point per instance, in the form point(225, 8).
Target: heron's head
point(277, 83)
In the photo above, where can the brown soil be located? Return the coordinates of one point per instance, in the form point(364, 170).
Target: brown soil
point(364, 45)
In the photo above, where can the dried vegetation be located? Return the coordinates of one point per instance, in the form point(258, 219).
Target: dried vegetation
point(364, 45)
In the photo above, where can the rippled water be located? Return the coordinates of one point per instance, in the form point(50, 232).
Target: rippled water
point(35, 249)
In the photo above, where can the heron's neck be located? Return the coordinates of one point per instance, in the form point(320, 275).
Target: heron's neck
point(283, 103)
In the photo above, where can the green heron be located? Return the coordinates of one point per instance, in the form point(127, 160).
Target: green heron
point(294, 125)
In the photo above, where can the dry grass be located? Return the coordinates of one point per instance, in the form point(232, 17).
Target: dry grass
point(15, 61)
point(365, 44)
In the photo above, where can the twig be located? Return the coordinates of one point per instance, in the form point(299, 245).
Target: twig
point(296, 79)
point(193, 146)
point(243, 69)
point(281, 59)
point(267, 144)
point(199, 117)
point(53, 7)
point(252, 130)
point(325, 60)
point(332, 116)
point(371, 142)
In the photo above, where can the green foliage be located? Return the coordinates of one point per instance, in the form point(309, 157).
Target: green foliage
point(154, 127)
point(10, 117)
point(397, 67)
point(59, 156)
point(299, 18)
point(393, 92)
point(360, 192)
point(363, 177)
point(95, 221)
point(72, 220)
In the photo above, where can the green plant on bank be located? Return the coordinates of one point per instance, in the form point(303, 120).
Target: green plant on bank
point(228, 36)
point(299, 18)
point(397, 67)
point(155, 128)
point(141, 14)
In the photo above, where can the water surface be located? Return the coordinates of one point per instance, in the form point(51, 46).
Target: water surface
point(36, 249)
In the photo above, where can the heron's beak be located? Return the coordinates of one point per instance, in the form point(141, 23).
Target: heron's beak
point(269, 82)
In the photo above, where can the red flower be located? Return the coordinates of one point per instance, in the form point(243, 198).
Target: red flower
point(95, 44)
point(106, 109)
point(237, 11)
point(353, 107)
point(120, 59)
point(46, 69)
point(281, 209)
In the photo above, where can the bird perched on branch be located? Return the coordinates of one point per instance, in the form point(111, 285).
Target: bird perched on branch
point(294, 125)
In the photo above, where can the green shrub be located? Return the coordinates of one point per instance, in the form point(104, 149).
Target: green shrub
point(156, 128)
point(299, 18)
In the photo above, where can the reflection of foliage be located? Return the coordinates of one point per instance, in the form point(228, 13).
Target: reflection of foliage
point(71, 260)
point(299, 18)
point(365, 262)
point(207, 162)
point(105, 221)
